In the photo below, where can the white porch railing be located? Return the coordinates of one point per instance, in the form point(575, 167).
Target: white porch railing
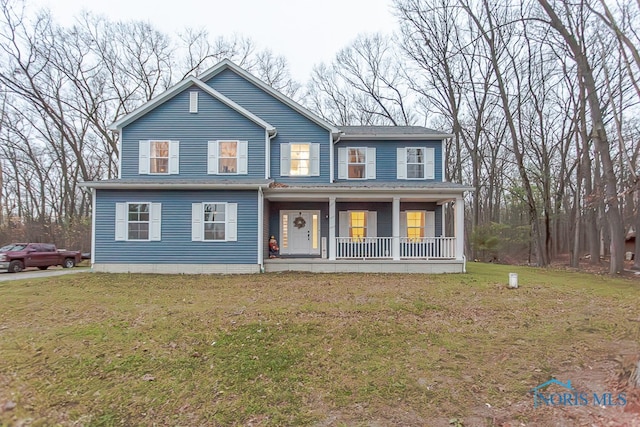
point(428, 247)
point(366, 247)
point(382, 247)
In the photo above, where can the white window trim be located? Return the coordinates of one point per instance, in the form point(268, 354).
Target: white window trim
point(314, 159)
point(242, 157)
point(429, 223)
point(144, 157)
point(402, 163)
point(230, 222)
point(366, 159)
point(122, 222)
point(193, 102)
point(371, 229)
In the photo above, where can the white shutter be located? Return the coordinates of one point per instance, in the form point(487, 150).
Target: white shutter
point(197, 230)
point(372, 224)
point(371, 163)
point(401, 163)
point(285, 159)
point(314, 152)
point(231, 232)
point(121, 221)
point(193, 102)
point(143, 157)
point(156, 222)
point(403, 224)
point(342, 163)
point(429, 163)
point(174, 157)
point(212, 158)
point(243, 159)
point(430, 224)
point(343, 217)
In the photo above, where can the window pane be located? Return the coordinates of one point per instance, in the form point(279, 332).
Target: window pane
point(228, 149)
point(357, 224)
point(214, 212)
point(415, 171)
point(357, 155)
point(214, 231)
point(300, 156)
point(159, 165)
point(356, 171)
point(138, 231)
point(228, 165)
point(159, 149)
point(415, 224)
point(285, 230)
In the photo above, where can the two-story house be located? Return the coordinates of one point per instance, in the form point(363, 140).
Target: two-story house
point(217, 164)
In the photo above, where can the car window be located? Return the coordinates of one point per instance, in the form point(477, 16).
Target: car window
point(12, 248)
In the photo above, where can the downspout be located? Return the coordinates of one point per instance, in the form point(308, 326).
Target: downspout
point(332, 144)
point(261, 229)
point(267, 153)
point(93, 227)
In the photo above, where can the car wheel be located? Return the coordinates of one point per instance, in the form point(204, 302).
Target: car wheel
point(68, 263)
point(16, 266)
point(43, 267)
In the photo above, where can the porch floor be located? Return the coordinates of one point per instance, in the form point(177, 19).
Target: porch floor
point(322, 265)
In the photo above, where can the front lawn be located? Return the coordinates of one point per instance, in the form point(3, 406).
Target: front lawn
point(311, 349)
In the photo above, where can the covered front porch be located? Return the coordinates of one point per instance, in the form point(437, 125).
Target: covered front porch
point(363, 229)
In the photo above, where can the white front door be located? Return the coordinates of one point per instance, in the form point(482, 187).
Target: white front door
point(300, 232)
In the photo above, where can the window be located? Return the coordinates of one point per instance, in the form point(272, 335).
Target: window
point(300, 159)
point(214, 222)
point(158, 157)
point(228, 157)
point(357, 163)
point(358, 225)
point(415, 225)
point(416, 163)
point(138, 221)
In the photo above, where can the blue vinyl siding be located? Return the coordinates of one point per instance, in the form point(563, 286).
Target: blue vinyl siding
point(291, 125)
point(176, 245)
point(386, 157)
point(213, 121)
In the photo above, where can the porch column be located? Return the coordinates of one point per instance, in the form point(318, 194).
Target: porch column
point(459, 228)
point(395, 232)
point(332, 228)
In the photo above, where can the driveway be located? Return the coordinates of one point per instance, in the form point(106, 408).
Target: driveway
point(35, 273)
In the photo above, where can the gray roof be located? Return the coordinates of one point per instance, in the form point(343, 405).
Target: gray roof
point(377, 185)
point(394, 132)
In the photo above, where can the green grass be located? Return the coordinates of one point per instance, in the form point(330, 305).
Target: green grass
point(301, 349)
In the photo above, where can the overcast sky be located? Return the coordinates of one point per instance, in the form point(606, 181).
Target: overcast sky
point(306, 32)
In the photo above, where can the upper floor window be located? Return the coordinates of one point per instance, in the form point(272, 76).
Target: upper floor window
point(356, 163)
point(214, 222)
point(228, 157)
point(416, 163)
point(158, 157)
point(300, 159)
point(138, 221)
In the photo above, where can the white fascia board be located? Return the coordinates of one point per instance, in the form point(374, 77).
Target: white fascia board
point(226, 63)
point(164, 185)
point(181, 86)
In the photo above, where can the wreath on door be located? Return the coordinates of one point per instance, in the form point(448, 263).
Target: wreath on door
point(299, 222)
